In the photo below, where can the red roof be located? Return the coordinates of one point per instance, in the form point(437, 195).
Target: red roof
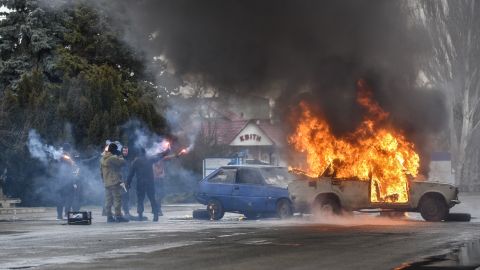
point(274, 132)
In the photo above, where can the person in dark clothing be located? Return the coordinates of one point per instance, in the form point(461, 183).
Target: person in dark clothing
point(126, 195)
point(68, 194)
point(142, 168)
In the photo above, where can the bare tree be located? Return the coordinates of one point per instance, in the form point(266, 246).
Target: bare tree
point(454, 30)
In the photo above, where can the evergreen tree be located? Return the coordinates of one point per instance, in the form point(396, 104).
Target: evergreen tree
point(65, 65)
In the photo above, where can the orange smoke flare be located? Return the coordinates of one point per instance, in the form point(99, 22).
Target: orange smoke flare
point(371, 152)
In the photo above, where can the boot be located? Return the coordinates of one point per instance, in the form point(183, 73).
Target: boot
point(140, 217)
point(155, 217)
point(121, 219)
point(110, 219)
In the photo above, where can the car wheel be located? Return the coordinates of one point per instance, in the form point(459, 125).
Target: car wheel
point(215, 209)
point(433, 208)
point(284, 209)
point(327, 205)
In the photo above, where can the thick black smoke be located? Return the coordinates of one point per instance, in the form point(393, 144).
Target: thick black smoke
point(314, 50)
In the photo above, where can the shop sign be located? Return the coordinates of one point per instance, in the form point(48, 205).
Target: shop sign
point(252, 137)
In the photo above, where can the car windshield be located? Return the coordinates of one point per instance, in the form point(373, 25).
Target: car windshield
point(279, 177)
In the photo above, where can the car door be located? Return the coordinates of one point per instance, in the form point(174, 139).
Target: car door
point(220, 186)
point(249, 191)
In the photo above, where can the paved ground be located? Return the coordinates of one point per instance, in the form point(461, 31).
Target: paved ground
point(179, 242)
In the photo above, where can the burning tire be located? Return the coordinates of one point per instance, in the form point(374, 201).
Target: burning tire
point(284, 209)
point(327, 204)
point(433, 208)
point(215, 210)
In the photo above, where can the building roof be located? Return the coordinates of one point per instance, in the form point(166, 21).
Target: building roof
point(226, 131)
point(274, 132)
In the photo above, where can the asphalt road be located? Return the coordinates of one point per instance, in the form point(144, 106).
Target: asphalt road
point(179, 242)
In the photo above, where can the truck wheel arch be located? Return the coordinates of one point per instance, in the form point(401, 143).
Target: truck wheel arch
point(328, 196)
point(431, 193)
point(433, 206)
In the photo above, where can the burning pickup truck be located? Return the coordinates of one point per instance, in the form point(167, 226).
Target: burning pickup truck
point(371, 167)
point(432, 199)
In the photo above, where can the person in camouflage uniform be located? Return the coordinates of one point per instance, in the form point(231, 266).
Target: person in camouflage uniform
point(111, 168)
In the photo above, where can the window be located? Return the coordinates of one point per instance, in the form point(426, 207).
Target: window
point(279, 177)
point(249, 176)
point(224, 176)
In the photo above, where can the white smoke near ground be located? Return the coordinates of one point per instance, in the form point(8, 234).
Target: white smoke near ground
point(360, 219)
point(56, 174)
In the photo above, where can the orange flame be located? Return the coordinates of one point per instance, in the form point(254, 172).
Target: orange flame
point(372, 152)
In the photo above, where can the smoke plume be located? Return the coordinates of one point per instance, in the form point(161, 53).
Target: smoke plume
point(39, 150)
point(297, 50)
point(57, 174)
point(176, 180)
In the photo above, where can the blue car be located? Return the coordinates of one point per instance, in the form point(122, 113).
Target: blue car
point(251, 190)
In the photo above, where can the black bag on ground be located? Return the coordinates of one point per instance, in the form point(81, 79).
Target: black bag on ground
point(80, 218)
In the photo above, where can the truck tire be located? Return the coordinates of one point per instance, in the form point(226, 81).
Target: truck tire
point(327, 204)
point(215, 209)
point(433, 208)
point(284, 209)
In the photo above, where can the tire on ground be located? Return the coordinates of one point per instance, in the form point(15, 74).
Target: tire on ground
point(201, 214)
point(461, 217)
point(284, 209)
point(432, 207)
point(215, 209)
